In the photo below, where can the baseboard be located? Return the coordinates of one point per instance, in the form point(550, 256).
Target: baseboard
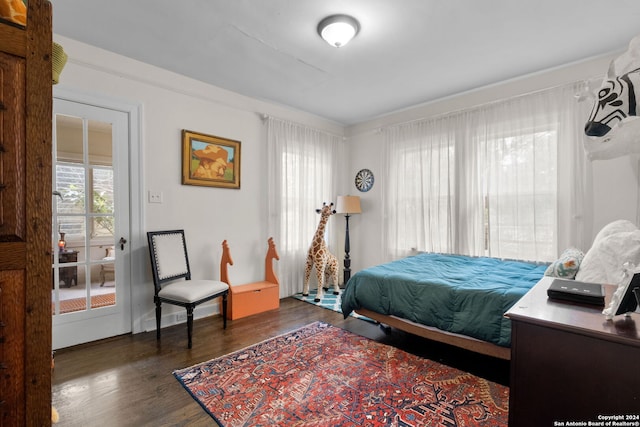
point(172, 315)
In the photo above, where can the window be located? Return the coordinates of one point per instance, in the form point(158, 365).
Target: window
point(70, 183)
point(424, 186)
point(484, 182)
point(304, 169)
point(295, 164)
point(83, 176)
point(521, 196)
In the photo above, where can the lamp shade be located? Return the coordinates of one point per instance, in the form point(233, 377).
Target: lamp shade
point(348, 205)
point(338, 30)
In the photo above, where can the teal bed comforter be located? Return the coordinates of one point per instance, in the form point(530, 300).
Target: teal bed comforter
point(454, 293)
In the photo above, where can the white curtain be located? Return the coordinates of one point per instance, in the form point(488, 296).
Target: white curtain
point(507, 179)
point(305, 167)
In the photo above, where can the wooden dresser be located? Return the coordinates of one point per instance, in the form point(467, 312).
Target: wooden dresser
point(570, 364)
point(25, 219)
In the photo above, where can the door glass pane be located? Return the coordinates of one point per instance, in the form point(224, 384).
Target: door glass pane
point(102, 203)
point(70, 183)
point(69, 138)
point(83, 240)
point(100, 143)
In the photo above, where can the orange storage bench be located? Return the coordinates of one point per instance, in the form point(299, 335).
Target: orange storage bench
point(252, 298)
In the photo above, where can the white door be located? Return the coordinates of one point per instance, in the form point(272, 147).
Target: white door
point(91, 273)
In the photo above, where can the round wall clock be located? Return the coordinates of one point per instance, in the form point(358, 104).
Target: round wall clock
point(364, 180)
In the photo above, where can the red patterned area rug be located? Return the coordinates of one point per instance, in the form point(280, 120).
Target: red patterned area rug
point(321, 375)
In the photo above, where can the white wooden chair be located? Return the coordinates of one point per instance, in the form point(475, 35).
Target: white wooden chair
point(172, 278)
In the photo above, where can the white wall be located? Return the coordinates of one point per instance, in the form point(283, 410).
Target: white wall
point(615, 182)
point(170, 103)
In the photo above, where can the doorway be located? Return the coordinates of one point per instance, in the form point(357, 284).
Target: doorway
point(91, 293)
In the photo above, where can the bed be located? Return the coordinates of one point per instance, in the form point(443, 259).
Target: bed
point(455, 299)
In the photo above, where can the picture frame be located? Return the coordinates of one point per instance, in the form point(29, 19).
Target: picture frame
point(210, 161)
point(626, 297)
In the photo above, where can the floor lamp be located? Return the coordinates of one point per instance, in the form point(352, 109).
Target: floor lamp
point(347, 205)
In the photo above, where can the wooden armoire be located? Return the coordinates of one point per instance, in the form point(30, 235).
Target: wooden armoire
point(25, 218)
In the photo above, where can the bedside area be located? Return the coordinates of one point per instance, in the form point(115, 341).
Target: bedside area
point(570, 364)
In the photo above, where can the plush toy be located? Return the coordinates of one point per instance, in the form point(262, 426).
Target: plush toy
point(614, 124)
point(325, 262)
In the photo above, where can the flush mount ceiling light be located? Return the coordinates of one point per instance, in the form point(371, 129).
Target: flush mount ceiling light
point(338, 30)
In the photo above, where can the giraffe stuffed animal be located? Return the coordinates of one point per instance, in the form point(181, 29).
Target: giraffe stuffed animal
point(325, 262)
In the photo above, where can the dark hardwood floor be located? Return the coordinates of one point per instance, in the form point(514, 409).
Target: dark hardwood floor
point(128, 381)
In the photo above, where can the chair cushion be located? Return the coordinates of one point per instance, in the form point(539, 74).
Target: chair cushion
point(192, 290)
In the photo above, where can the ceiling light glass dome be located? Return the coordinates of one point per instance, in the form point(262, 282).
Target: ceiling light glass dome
point(338, 30)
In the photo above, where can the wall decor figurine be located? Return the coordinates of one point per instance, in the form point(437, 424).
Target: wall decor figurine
point(325, 262)
point(210, 160)
point(613, 126)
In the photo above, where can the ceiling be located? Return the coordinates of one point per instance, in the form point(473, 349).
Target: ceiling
point(408, 52)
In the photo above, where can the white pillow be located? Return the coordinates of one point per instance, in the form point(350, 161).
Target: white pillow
point(614, 227)
point(603, 262)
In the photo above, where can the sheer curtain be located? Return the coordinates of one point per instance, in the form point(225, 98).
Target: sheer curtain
point(419, 189)
point(305, 167)
point(506, 179)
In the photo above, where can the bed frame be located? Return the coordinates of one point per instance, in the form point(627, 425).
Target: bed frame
point(435, 334)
